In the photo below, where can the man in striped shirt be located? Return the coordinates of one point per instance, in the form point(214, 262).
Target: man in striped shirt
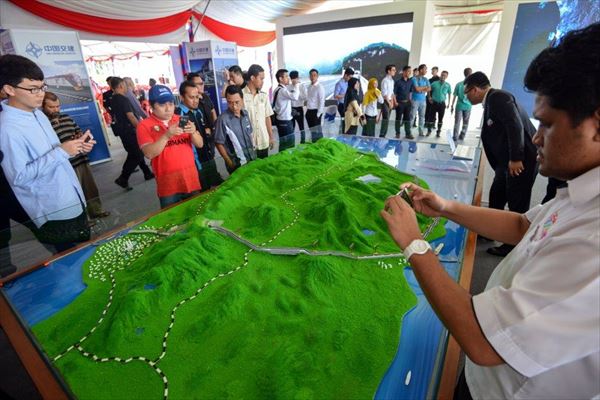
point(67, 129)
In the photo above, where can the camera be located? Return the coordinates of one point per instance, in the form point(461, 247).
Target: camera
point(183, 121)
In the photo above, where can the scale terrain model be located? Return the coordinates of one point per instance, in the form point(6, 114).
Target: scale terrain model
point(281, 283)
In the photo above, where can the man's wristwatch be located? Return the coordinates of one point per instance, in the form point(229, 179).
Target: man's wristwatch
point(417, 246)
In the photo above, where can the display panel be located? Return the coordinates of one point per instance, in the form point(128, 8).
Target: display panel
point(537, 26)
point(365, 44)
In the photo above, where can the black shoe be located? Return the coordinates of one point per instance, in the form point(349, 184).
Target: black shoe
point(136, 170)
point(461, 137)
point(500, 251)
point(410, 137)
point(437, 134)
point(7, 270)
point(149, 176)
point(428, 132)
point(123, 183)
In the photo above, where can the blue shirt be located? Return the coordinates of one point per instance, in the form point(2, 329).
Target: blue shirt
point(420, 81)
point(37, 168)
point(340, 88)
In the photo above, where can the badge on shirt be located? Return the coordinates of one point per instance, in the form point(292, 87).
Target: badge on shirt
point(490, 122)
point(540, 234)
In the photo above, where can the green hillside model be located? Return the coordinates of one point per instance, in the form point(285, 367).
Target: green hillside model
point(282, 283)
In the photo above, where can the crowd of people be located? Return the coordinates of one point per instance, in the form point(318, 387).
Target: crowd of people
point(412, 96)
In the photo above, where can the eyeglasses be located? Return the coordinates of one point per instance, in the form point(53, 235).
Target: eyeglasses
point(34, 90)
point(200, 84)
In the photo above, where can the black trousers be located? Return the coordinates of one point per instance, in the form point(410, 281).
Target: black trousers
point(135, 157)
point(435, 109)
point(352, 130)
point(516, 191)
point(461, 391)
point(314, 124)
point(312, 118)
point(285, 130)
point(264, 153)
point(298, 116)
point(341, 111)
point(369, 128)
point(385, 119)
point(403, 117)
point(209, 175)
point(10, 209)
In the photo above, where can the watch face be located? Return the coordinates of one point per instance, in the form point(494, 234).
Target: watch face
point(421, 247)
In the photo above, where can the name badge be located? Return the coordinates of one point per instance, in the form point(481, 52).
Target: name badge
point(490, 122)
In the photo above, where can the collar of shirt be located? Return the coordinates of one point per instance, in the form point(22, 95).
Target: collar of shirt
point(174, 118)
point(484, 96)
point(584, 188)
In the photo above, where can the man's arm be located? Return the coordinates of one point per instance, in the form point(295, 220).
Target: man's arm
point(451, 302)
point(131, 117)
point(224, 154)
point(337, 93)
point(286, 94)
point(321, 97)
point(505, 109)
point(153, 149)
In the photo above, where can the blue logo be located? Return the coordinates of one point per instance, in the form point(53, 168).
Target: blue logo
point(33, 50)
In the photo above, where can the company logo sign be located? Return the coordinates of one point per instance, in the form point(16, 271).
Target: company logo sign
point(196, 51)
point(225, 51)
point(34, 50)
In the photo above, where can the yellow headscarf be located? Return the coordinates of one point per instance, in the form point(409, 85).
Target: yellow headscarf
point(372, 92)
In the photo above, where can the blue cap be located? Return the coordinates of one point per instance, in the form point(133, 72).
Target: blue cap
point(161, 94)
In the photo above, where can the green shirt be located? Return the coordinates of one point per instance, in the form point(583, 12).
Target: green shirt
point(462, 103)
point(440, 91)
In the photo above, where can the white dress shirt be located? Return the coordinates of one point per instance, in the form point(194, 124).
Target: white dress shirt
point(315, 98)
point(283, 104)
point(301, 95)
point(259, 108)
point(541, 307)
point(387, 87)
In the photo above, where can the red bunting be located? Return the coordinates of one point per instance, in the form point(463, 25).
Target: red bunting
point(144, 27)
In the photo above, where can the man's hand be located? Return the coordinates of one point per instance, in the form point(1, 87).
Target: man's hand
point(173, 130)
point(189, 128)
point(515, 168)
point(401, 220)
point(425, 201)
point(271, 143)
point(78, 146)
point(207, 131)
point(229, 163)
point(451, 110)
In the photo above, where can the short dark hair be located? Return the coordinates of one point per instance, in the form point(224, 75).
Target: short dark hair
point(436, 68)
point(294, 74)
point(115, 81)
point(467, 71)
point(406, 67)
point(233, 89)
point(184, 85)
point(14, 68)
point(279, 73)
point(313, 70)
point(254, 70)
point(235, 69)
point(190, 76)
point(349, 71)
point(422, 66)
point(445, 72)
point(477, 79)
point(389, 67)
point(49, 96)
point(554, 66)
point(108, 79)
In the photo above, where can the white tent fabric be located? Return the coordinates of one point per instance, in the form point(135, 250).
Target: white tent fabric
point(125, 9)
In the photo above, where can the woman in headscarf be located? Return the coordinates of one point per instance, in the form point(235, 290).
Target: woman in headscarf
point(372, 97)
point(353, 114)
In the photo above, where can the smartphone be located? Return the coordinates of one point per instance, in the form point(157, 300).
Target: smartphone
point(406, 197)
point(183, 121)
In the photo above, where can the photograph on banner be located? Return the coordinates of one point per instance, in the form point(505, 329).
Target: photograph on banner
point(537, 26)
point(366, 45)
point(59, 56)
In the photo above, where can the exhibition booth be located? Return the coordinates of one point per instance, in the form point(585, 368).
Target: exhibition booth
point(283, 281)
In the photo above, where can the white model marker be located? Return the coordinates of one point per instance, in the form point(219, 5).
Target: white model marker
point(407, 379)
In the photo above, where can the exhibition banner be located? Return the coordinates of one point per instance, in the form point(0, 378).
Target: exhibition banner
point(58, 54)
point(211, 59)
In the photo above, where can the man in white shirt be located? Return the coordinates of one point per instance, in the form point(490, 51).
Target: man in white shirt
point(259, 110)
point(387, 91)
point(534, 332)
point(315, 102)
point(282, 106)
point(298, 105)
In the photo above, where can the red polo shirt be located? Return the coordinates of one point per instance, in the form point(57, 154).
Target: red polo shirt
point(174, 167)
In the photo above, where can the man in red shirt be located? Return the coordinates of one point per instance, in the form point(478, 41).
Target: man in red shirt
point(169, 146)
